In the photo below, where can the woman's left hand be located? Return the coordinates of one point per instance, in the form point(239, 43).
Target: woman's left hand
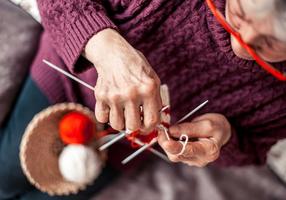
point(207, 133)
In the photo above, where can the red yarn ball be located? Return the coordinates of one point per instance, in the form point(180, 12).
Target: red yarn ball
point(76, 128)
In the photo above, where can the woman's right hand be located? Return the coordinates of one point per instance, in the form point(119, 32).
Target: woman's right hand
point(125, 82)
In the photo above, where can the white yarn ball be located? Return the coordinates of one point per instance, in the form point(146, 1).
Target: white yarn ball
point(79, 164)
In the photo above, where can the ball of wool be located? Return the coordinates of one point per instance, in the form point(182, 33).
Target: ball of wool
point(79, 164)
point(76, 128)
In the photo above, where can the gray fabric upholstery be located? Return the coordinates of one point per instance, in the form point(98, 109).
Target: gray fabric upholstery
point(163, 181)
point(19, 35)
point(276, 159)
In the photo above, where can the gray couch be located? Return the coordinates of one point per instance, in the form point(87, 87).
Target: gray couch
point(19, 36)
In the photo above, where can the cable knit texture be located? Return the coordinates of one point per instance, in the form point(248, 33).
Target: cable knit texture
point(190, 52)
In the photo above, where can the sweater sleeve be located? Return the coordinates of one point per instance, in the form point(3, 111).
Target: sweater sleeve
point(250, 146)
point(70, 24)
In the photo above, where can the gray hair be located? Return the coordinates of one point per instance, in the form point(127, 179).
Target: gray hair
point(262, 8)
point(280, 21)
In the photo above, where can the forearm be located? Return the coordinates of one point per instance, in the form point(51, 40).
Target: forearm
point(108, 47)
point(70, 24)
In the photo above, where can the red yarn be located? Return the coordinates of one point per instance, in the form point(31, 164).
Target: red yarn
point(136, 134)
point(76, 128)
point(146, 138)
point(166, 125)
point(143, 138)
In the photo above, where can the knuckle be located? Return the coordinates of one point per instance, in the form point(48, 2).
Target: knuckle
point(117, 126)
point(100, 95)
point(131, 93)
point(133, 126)
point(208, 125)
point(100, 118)
point(150, 87)
point(114, 98)
point(152, 120)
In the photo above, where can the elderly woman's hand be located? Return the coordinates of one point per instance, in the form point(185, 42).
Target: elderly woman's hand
point(208, 134)
point(125, 82)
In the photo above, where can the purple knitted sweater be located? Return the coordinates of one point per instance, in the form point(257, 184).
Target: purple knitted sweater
point(187, 48)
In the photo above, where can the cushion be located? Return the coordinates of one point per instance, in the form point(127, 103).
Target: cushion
point(19, 35)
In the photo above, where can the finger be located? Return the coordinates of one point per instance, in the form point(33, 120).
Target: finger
point(197, 129)
point(162, 139)
point(169, 146)
point(205, 149)
point(160, 100)
point(198, 158)
point(195, 162)
point(151, 114)
point(132, 116)
point(102, 112)
point(116, 117)
point(173, 158)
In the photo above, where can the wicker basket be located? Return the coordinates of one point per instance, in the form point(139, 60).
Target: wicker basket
point(41, 146)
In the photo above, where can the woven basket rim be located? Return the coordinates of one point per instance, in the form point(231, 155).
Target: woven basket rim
point(39, 117)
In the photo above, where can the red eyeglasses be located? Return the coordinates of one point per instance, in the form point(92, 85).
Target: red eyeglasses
point(266, 66)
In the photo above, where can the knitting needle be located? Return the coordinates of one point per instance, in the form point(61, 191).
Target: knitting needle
point(122, 134)
point(136, 153)
point(192, 112)
point(154, 151)
point(139, 151)
point(68, 74)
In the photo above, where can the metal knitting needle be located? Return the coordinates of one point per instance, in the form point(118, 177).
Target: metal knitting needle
point(192, 112)
point(139, 151)
point(68, 74)
point(122, 135)
point(154, 151)
point(136, 153)
point(138, 142)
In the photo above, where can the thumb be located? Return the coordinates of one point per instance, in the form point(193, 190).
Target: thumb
point(169, 146)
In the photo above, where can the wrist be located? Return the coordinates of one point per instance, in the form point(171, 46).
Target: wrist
point(98, 43)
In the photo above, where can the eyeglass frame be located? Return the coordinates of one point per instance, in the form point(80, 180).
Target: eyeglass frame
point(263, 64)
